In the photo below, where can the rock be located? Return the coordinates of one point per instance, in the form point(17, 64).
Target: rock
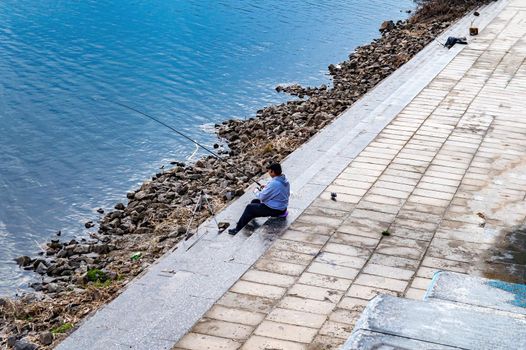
point(120, 206)
point(54, 288)
point(41, 269)
point(100, 211)
point(23, 261)
point(46, 338)
point(100, 248)
point(11, 341)
point(387, 26)
point(182, 190)
point(140, 195)
point(23, 344)
point(89, 224)
point(81, 249)
point(3, 302)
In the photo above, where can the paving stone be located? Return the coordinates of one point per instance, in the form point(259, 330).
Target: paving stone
point(274, 279)
point(415, 224)
point(444, 264)
point(223, 313)
point(373, 215)
point(333, 270)
point(341, 197)
point(246, 302)
point(344, 249)
point(194, 341)
point(404, 242)
point(258, 289)
point(330, 212)
point(367, 224)
point(262, 343)
point(316, 293)
point(368, 292)
point(314, 229)
point(359, 231)
point(337, 330)
point(425, 208)
point(311, 237)
point(456, 250)
point(346, 190)
point(288, 256)
point(386, 200)
point(330, 204)
point(403, 252)
point(411, 233)
point(384, 208)
point(223, 329)
point(355, 240)
point(418, 216)
point(279, 267)
point(434, 194)
point(299, 318)
point(388, 271)
point(384, 184)
point(340, 260)
point(382, 282)
point(415, 294)
point(428, 201)
point(353, 183)
point(319, 220)
point(312, 306)
point(284, 331)
point(345, 316)
point(324, 281)
point(324, 342)
point(421, 283)
point(353, 304)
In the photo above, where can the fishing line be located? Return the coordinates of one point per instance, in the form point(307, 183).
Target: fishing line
point(177, 132)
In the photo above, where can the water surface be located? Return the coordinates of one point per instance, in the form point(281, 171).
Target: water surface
point(65, 152)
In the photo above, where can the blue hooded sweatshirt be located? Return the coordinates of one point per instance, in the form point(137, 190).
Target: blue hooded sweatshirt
point(276, 193)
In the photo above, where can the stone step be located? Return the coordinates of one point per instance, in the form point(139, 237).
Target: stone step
point(477, 291)
point(363, 339)
point(444, 324)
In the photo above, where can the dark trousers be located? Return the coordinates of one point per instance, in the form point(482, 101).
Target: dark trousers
point(256, 209)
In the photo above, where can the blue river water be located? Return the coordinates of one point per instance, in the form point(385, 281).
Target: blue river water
point(66, 151)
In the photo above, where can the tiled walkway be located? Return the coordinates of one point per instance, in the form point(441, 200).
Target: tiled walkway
point(445, 180)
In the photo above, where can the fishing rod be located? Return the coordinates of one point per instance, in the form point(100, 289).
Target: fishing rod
point(181, 134)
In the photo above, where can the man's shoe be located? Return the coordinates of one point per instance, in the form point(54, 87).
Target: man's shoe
point(233, 231)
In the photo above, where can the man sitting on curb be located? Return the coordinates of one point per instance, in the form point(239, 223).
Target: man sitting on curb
point(273, 200)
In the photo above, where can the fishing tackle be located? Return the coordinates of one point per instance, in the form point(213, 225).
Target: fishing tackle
point(179, 133)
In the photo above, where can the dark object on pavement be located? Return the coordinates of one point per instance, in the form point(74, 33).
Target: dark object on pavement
point(452, 41)
point(333, 196)
point(222, 226)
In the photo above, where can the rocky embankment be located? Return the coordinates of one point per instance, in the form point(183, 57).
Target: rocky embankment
point(77, 276)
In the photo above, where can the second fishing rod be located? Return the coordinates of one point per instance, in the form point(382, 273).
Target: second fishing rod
point(217, 156)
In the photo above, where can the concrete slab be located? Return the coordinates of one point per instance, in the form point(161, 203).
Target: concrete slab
point(444, 324)
point(476, 291)
point(367, 340)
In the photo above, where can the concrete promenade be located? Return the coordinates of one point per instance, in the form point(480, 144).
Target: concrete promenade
point(445, 181)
